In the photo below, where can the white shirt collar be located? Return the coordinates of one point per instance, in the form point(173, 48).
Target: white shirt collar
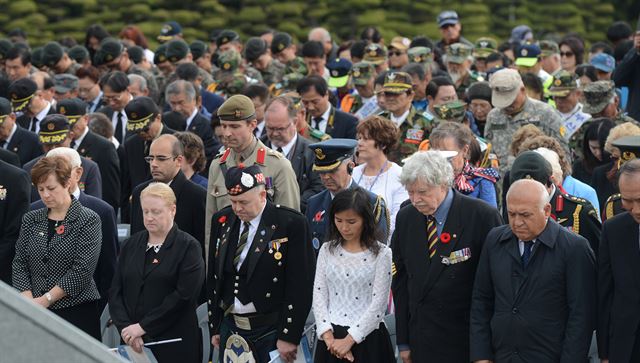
point(115, 142)
point(400, 120)
point(193, 115)
point(13, 131)
point(76, 193)
point(325, 115)
point(42, 114)
point(287, 148)
point(260, 127)
point(78, 141)
point(95, 102)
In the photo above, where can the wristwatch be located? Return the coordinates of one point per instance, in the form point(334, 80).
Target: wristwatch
point(49, 297)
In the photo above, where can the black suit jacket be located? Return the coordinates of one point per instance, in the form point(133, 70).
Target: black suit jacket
point(161, 296)
point(108, 111)
point(25, 144)
point(433, 299)
point(9, 157)
point(544, 313)
point(282, 286)
point(618, 288)
point(138, 169)
point(190, 207)
point(24, 120)
point(344, 125)
point(603, 186)
point(90, 181)
point(201, 127)
point(102, 152)
point(14, 203)
point(301, 158)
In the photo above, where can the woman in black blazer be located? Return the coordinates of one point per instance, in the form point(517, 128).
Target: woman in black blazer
point(58, 249)
point(159, 276)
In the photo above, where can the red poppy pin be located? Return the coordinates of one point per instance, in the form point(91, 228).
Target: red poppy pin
point(445, 237)
point(222, 219)
point(318, 216)
point(60, 229)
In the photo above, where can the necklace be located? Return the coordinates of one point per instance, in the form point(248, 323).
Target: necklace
point(384, 166)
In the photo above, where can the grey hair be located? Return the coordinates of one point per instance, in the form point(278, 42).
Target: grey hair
point(428, 166)
point(180, 86)
point(138, 79)
point(326, 36)
point(630, 168)
point(288, 103)
point(67, 153)
point(553, 159)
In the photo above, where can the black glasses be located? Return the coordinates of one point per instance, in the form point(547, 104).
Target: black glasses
point(397, 54)
point(566, 54)
point(160, 158)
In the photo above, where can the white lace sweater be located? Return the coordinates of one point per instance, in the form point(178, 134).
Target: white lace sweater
point(351, 289)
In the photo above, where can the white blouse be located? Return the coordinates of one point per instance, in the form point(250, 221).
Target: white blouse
point(387, 185)
point(351, 289)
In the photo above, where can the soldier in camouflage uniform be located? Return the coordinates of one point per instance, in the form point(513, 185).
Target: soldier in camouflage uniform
point(414, 126)
point(459, 60)
point(363, 75)
point(482, 49)
point(256, 53)
point(284, 50)
point(57, 60)
point(376, 54)
point(421, 55)
point(229, 80)
point(514, 110)
point(178, 52)
point(600, 100)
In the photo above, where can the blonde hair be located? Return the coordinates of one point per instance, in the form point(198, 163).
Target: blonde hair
point(160, 190)
point(527, 131)
point(622, 130)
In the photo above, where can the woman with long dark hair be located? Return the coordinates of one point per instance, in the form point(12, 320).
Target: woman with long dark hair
point(352, 283)
point(593, 152)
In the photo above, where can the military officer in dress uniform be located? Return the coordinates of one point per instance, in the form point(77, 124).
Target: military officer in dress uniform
point(629, 149)
point(334, 162)
point(261, 271)
point(414, 126)
point(238, 119)
point(575, 214)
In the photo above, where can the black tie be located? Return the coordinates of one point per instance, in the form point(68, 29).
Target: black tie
point(279, 149)
point(118, 132)
point(90, 107)
point(526, 253)
point(255, 132)
point(34, 122)
point(3, 143)
point(73, 144)
point(316, 122)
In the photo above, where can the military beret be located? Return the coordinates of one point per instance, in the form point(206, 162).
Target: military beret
point(51, 54)
point(397, 82)
point(198, 49)
point(136, 54)
point(597, 95)
point(79, 54)
point(531, 165)
point(237, 108)
point(177, 50)
point(5, 109)
point(64, 82)
point(169, 30)
point(108, 50)
point(330, 153)
point(254, 48)
point(54, 129)
point(240, 179)
point(160, 55)
point(226, 36)
point(5, 45)
point(140, 112)
point(280, 42)
point(21, 92)
point(73, 108)
point(36, 57)
point(450, 111)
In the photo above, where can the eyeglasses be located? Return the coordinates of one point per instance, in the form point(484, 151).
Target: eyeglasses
point(278, 129)
point(160, 158)
point(111, 98)
point(397, 54)
point(566, 54)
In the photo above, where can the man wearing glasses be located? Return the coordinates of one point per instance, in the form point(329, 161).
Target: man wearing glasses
point(116, 96)
point(398, 56)
point(414, 126)
point(450, 28)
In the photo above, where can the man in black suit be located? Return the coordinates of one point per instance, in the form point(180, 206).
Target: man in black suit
point(436, 247)
point(93, 147)
point(182, 97)
point(280, 119)
point(24, 144)
point(116, 96)
point(14, 203)
point(144, 122)
point(534, 294)
point(321, 115)
point(26, 98)
point(618, 271)
point(261, 270)
point(165, 159)
point(109, 249)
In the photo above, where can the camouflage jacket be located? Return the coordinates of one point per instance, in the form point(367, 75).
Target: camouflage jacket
point(273, 74)
point(469, 79)
point(415, 129)
point(296, 65)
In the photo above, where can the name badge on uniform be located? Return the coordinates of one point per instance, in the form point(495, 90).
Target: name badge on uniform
point(414, 136)
point(457, 256)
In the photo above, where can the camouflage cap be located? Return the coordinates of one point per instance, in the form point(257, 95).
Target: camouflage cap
point(198, 48)
point(563, 83)
point(229, 60)
point(451, 111)
point(54, 129)
point(51, 54)
point(5, 45)
point(237, 108)
point(548, 47)
point(64, 82)
point(177, 50)
point(290, 81)
point(484, 47)
point(231, 83)
point(597, 95)
point(375, 53)
point(420, 55)
point(362, 72)
point(458, 53)
point(397, 82)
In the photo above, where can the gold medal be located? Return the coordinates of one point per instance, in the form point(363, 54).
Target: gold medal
point(277, 255)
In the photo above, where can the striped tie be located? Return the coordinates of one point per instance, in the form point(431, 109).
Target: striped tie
point(241, 242)
point(432, 235)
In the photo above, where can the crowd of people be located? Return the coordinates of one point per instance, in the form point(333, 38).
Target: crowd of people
point(484, 195)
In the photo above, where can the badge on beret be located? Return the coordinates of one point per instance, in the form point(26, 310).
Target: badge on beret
point(108, 57)
point(225, 39)
point(237, 113)
point(246, 180)
point(162, 58)
point(280, 46)
point(134, 115)
point(14, 96)
point(62, 110)
point(319, 154)
point(50, 127)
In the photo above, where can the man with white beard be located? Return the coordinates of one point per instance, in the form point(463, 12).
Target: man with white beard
point(459, 61)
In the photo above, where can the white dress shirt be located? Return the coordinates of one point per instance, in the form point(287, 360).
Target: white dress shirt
point(190, 119)
point(325, 120)
point(76, 143)
point(399, 120)
point(114, 122)
point(8, 140)
point(238, 307)
point(40, 116)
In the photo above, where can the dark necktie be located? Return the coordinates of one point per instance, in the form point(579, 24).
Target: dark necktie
point(90, 107)
point(34, 122)
point(316, 122)
point(3, 143)
point(241, 242)
point(432, 235)
point(118, 133)
point(255, 132)
point(73, 144)
point(279, 149)
point(526, 253)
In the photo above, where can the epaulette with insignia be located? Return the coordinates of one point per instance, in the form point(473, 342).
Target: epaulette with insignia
point(610, 206)
point(261, 155)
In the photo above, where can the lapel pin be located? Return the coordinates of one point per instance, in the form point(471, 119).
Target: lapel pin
point(262, 232)
point(454, 235)
point(273, 226)
point(155, 261)
point(257, 250)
